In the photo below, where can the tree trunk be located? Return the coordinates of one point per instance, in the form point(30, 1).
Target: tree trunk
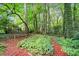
point(74, 18)
point(25, 17)
point(45, 19)
point(68, 21)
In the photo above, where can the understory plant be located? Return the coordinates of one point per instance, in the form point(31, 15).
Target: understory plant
point(38, 44)
point(70, 46)
point(2, 49)
point(76, 36)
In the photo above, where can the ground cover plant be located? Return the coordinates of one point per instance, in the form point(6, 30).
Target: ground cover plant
point(2, 49)
point(38, 44)
point(70, 46)
point(3, 36)
point(6, 36)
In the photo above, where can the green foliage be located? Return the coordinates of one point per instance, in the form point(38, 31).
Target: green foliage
point(76, 36)
point(75, 44)
point(70, 46)
point(64, 42)
point(71, 51)
point(38, 44)
point(3, 36)
point(2, 48)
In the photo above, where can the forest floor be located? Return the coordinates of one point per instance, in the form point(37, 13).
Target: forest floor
point(58, 51)
point(13, 50)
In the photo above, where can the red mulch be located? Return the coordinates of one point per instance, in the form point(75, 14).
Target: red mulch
point(58, 49)
point(13, 50)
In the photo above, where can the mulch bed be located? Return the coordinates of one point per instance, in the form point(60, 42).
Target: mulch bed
point(58, 51)
point(13, 50)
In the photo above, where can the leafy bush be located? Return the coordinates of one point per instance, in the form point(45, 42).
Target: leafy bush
point(76, 36)
point(38, 44)
point(70, 46)
point(64, 42)
point(2, 48)
point(75, 44)
point(71, 51)
point(2, 36)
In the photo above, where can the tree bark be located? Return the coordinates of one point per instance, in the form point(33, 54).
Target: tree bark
point(25, 18)
point(68, 21)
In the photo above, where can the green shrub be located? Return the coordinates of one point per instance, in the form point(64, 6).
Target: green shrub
point(64, 42)
point(75, 44)
point(76, 36)
point(70, 46)
point(2, 48)
point(38, 44)
point(71, 51)
point(4, 36)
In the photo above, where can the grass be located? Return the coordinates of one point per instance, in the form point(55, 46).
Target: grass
point(38, 44)
point(71, 47)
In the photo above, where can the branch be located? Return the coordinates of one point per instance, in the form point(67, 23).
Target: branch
point(8, 7)
point(13, 12)
point(20, 18)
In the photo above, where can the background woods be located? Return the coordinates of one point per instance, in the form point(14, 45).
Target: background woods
point(39, 29)
point(53, 19)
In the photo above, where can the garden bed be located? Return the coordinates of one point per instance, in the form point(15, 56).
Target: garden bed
point(38, 44)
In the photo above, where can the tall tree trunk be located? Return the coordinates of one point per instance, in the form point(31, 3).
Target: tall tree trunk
point(68, 21)
point(49, 19)
point(45, 19)
point(74, 18)
point(35, 20)
point(25, 18)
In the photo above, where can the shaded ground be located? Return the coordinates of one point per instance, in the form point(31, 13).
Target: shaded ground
point(13, 50)
point(57, 48)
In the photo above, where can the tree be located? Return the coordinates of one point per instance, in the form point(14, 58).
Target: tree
point(45, 19)
point(13, 11)
point(25, 17)
point(68, 21)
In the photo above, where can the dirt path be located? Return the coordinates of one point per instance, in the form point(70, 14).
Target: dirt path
point(13, 50)
point(57, 48)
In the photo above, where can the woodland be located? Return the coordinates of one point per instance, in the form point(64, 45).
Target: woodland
point(39, 29)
